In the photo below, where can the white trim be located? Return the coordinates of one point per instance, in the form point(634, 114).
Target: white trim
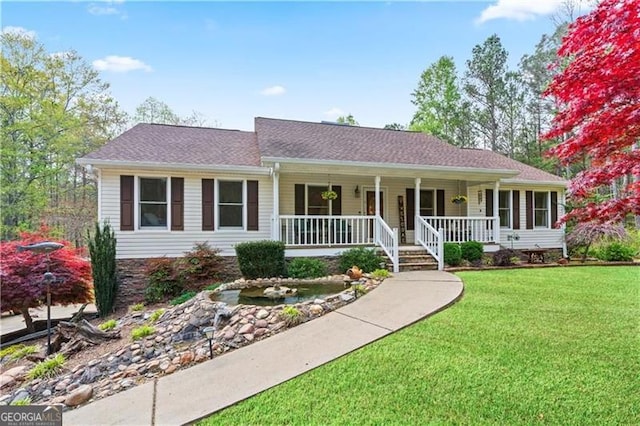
point(536, 182)
point(136, 192)
point(369, 165)
point(510, 208)
point(216, 204)
point(548, 210)
point(116, 164)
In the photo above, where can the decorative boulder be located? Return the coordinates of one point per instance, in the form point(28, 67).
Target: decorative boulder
point(279, 292)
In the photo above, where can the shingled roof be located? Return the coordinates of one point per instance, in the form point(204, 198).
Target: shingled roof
point(329, 141)
point(160, 143)
point(299, 140)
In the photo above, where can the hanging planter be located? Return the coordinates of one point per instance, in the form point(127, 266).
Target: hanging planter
point(458, 199)
point(329, 195)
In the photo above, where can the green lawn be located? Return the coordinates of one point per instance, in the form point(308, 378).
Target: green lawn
point(528, 346)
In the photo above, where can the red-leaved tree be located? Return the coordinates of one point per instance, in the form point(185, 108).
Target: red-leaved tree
point(598, 98)
point(21, 275)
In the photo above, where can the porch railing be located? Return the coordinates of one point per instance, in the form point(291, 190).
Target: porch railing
point(387, 239)
point(459, 229)
point(432, 240)
point(330, 231)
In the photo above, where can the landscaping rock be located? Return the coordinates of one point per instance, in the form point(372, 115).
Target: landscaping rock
point(262, 314)
point(79, 396)
point(247, 328)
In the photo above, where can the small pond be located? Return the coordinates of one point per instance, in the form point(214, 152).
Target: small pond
point(255, 295)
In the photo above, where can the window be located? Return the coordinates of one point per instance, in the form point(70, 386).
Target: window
point(541, 209)
point(316, 205)
point(504, 208)
point(427, 204)
point(153, 202)
point(231, 204)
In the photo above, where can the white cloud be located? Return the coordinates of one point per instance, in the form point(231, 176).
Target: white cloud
point(273, 91)
point(120, 64)
point(20, 31)
point(107, 7)
point(334, 113)
point(518, 10)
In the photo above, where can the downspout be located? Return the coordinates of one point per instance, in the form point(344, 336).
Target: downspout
point(416, 209)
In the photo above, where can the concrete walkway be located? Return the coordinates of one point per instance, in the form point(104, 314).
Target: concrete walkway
point(199, 391)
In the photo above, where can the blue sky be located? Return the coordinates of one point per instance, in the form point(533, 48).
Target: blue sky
point(305, 61)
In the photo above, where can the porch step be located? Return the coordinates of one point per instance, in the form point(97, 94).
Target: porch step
point(413, 259)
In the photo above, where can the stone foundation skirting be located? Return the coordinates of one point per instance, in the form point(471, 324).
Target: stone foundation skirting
point(132, 280)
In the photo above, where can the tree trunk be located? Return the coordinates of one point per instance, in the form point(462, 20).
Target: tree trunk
point(28, 321)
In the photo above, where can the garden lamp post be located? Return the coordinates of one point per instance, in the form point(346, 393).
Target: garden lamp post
point(48, 277)
point(208, 332)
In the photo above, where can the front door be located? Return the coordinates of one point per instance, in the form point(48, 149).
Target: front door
point(371, 203)
point(371, 210)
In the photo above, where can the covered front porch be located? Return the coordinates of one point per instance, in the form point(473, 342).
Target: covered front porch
point(388, 211)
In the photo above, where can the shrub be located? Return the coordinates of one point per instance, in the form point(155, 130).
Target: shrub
point(291, 316)
point(142, 331)
point(102, 248)
point(452, 254)
point(47, 368)
point(171, 277)
point(472, 251)
point(366, 259)
point(380, 273)
point(261, 259)
point(163, 280)
point(108, 325)
point(304, 267)
point(137, 307)
point(617, 252)
point(198, 267)
point(156, 315)
point(182, 298)
point(505, 257)
point(583, 235)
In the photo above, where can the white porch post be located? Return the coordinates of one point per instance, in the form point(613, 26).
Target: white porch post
point(275, 230)
point(496, 212)
point(377, 230)
point(416, 209)
point(561, 208)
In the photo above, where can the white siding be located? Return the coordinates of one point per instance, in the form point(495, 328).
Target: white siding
point(529, 238)
point(151, 243)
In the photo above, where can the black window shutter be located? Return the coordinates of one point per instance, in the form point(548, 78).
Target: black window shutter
point(489, 202)
point(529, 208)
point(554, 208)
point(177, 204)
point(515, 209)
point(411, 209)
point(126, 203)
point(299, 199)
point(440, 202)
point(252, 205)
point(336, 205)
point(208, 188)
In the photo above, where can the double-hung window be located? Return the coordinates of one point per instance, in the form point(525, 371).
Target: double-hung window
point(427, 203)
point(230, 204)
point(153, 203)
point(316, 205)
point(504, 208)
point(541, 209)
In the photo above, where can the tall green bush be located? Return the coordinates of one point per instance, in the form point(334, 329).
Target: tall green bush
point(261, 259)
point(452, 254)
point(472, 251)
point(102, 249)
point(366, 259)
